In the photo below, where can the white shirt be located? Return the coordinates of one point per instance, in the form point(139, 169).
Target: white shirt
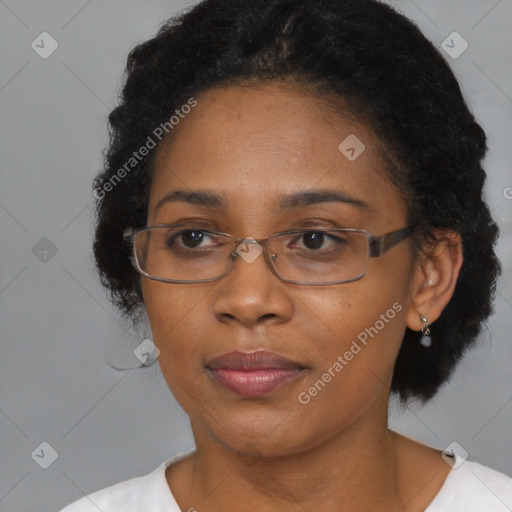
point(470, 487)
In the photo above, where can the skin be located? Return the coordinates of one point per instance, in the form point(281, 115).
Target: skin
point(250, 145)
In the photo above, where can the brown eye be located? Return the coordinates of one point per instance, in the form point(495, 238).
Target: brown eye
point(313, 240)
point(316, 241)
point(192, 239)
point(186, 239)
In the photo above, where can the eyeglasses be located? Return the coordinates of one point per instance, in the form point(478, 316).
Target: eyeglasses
point(174, 253)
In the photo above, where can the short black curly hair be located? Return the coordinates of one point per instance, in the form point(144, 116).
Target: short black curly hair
point(373, 59)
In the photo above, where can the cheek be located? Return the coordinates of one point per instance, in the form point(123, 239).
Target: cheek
point(349, 313)
point(176, 315)
point(357, 337)
point(357, 328)
point(173, 315)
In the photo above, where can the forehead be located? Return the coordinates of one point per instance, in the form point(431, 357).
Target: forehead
point(259, 142)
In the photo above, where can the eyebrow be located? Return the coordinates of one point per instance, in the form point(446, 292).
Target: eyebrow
point(198, 197)
point(299, 199)
point(286, 201)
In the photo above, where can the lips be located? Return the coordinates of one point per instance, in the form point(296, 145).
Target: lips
point(253, 374)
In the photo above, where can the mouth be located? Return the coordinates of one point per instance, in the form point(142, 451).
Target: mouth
point(253, 374)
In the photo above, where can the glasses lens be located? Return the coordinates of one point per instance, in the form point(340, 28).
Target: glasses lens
point(320, 256)
point(180, 254)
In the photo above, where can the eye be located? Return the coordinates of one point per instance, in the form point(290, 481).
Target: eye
point(317, 241)
point(311, 240)
point(189, 239)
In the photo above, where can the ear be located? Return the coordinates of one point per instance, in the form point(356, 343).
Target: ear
point(435, 276)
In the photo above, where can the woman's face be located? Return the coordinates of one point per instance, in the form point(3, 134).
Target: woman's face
point(251, 147)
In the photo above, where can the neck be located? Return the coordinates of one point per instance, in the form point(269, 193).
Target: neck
point(353, 470)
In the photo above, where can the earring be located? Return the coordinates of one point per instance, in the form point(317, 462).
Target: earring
point(425, 340)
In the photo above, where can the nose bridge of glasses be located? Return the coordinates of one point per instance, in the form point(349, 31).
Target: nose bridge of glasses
point(249, 249)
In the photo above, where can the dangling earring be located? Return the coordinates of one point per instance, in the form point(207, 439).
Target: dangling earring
point(426, 340)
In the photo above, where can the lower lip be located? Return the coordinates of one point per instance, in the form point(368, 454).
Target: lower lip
point(254, 383)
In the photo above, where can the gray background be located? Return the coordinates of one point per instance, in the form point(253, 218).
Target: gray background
point(60, 336)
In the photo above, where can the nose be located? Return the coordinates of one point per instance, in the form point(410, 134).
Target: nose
point(250, 294)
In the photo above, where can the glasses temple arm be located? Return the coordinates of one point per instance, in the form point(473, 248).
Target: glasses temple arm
point(379, 245)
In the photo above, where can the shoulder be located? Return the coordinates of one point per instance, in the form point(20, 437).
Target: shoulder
point(472, 487)
point(116, 497)
point(149, 493)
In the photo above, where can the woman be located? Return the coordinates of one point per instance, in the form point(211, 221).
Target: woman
point(293, 194)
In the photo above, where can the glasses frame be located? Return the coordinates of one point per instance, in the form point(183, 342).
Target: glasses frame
point(377, 246)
